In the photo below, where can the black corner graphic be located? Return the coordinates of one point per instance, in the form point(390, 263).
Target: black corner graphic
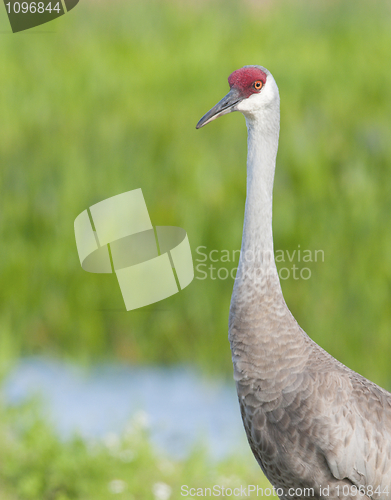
point(24, 15)
point(69, 4)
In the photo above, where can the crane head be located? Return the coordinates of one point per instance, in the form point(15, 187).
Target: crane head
point(252, 88)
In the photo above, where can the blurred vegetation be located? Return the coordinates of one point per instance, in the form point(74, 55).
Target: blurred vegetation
point(105, 100)
point(35, 465)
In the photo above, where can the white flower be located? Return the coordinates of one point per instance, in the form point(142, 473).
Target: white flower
point(127, 455)
point(141, 420)
point(112, 441)
point(166, 466)
point(117, 486)
point(161, 491)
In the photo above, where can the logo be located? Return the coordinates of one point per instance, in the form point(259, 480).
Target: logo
point(24, 15)
point(151, 263)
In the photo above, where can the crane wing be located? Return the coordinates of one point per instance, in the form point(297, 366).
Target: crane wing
point(362, 438)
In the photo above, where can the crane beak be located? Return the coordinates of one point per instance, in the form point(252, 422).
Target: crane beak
point(226, 105)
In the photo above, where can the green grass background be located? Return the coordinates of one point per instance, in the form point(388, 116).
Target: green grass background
point(105, 100)
point(35, 465)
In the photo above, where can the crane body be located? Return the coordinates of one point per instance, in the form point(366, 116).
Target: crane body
point(312, 423)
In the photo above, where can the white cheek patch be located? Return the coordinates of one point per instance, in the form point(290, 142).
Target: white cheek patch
point(253, 102)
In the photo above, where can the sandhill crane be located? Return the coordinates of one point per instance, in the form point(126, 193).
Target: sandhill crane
point(316, 428)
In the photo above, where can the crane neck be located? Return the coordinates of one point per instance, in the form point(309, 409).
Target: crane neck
point(264, 336)
point(257, 269)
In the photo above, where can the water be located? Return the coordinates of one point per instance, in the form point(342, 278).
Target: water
point(179, 406)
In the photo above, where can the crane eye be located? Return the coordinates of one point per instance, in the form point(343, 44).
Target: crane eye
point(258, 85)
